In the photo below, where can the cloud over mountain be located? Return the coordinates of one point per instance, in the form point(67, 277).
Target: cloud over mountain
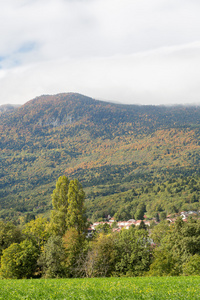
point(136, 52)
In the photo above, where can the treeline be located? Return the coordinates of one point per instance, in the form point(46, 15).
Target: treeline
point(61, 247)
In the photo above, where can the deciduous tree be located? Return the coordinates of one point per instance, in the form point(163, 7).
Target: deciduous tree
point(76, 217)
point(19, 260)
point(52, 259)
point(133, 252)
point(60, 206)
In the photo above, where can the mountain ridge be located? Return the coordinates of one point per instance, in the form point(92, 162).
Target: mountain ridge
point(64, 108)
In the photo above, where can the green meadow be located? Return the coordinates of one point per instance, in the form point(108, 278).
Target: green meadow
point(102, 288)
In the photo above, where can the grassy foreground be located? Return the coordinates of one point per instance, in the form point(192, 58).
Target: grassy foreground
point(102, 288)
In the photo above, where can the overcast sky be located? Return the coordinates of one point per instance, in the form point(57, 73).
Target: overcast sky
point(128, 51)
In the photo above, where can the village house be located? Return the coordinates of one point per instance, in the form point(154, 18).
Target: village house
point(127, 224)
point(120, 224)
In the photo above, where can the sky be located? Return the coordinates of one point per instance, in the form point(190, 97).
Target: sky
point(127, 51)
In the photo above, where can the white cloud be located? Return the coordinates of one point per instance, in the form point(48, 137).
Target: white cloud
point(129, 51)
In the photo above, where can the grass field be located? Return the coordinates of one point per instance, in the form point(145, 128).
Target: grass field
point(102, 288)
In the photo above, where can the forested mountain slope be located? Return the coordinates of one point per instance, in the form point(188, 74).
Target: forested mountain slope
point(110, 148)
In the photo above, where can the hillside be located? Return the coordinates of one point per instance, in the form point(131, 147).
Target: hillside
point(112, 149)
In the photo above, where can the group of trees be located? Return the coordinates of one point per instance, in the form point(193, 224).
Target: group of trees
point(153, 198)
point(42, 246)
point(177, 250)
point(60, 247)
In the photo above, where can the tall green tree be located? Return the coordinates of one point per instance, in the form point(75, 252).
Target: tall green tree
point(76, 217)
point(60, 206)
point(76, 223)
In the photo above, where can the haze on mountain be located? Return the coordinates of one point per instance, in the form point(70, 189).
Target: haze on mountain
point(144, 52)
